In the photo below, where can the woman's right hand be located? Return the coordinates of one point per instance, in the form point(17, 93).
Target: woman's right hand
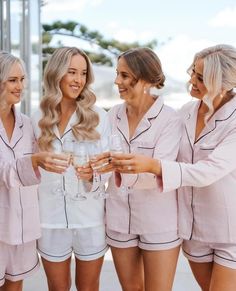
point(102, 163)
point(50, 162)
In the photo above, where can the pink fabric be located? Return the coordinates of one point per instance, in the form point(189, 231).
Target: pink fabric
point(18, 262)
point(143, 208)
point(19, 213)
point(206, 173)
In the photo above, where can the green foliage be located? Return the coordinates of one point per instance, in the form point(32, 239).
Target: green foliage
point(110, 48)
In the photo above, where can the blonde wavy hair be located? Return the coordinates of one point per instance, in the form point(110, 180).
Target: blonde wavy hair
point(219, 73)
point(88, 119)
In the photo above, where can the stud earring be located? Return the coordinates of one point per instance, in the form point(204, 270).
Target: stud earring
point(145, 90)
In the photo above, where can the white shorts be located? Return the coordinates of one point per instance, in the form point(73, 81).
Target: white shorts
point(200, 252)
point(57, 245)
point(149, 242)
point(17, 262)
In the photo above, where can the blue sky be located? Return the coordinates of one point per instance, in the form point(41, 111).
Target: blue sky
point(181, 27)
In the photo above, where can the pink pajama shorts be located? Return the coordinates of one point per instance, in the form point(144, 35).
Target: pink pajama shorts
point(201, 252)
point(149, 242)
point(17, 261)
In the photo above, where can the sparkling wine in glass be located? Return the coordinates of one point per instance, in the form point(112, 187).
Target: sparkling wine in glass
point(116, 147)
point(80, 158)
point(95, 148)
point(67, 148)
point(57, 149)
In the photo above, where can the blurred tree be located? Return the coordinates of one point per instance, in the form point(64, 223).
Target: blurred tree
point(102, 52)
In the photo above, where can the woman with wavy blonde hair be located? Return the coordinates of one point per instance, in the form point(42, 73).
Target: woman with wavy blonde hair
point(68, 111)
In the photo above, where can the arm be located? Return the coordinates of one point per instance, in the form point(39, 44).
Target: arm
point(219, 163)
point(148, 167)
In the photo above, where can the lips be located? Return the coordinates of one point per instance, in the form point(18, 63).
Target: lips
point(17, 94)
point(194, 89)
point(122, 90)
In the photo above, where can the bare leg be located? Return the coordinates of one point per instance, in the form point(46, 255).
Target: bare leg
point(129, 267)
point(88, 274)
point(159, 269)
point(12, 286)
point(223, 278)
point(58, 275)
point(202, 273)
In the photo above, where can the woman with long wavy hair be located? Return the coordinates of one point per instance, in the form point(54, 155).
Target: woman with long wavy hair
point(68, 111)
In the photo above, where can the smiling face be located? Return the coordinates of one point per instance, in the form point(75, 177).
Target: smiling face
point(74, 80)
point(14, 85)
point(129, 88)
point(198, 89)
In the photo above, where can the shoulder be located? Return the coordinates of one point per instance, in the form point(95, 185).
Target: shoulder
point(113, 111)
point(170, 113)
point(36, 116)
point(25, 121)
point(100, 111)
point(188, 106)
point(24, 118)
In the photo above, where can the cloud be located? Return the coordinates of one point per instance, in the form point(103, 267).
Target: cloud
point(225, 18)
point(67, 10)
point(129, 35)
point(62, 6)
point(177, 54)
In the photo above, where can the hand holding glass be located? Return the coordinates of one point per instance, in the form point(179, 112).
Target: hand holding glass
point(80, 158)
point(95, 148)
point(116, 146)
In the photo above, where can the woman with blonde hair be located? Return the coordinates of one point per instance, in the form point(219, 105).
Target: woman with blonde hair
point(69, 225)
point(19, 176)
point(206, 170)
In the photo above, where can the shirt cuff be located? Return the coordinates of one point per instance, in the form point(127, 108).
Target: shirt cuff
point(27, 175)
point(171, 175)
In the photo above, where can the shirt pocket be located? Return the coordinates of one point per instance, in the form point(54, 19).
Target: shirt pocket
point(206, 149)
point(146, 148)
point(207, 146)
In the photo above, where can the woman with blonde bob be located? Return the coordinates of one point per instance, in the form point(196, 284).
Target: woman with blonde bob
point(206, 170)
point(68, 112)
point(19, 176)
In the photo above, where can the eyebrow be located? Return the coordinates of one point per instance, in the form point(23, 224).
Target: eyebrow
point(15, 77)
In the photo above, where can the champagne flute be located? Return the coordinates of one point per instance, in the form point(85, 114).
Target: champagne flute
point(80, 157)
point(67, 148)
point(95, 148)
point(116, 146)
point(57, 149)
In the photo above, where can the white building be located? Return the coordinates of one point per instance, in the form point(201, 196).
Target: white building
point(20, 34)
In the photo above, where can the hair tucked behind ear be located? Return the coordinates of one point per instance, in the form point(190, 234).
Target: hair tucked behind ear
point(145, 65)
point(88, 119)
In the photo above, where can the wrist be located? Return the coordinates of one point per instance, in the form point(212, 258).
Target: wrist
point(34, 161)
point(156, 167)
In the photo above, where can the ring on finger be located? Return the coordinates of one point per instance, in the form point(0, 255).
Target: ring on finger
point(129, 168)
